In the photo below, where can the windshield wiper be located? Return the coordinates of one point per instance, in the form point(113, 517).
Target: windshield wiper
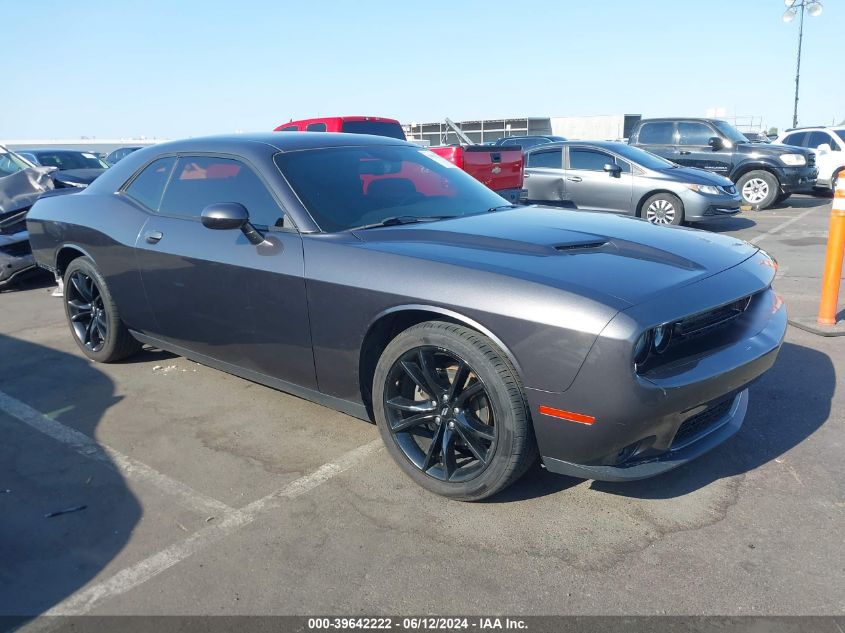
point(502, 206)
point(396, 220)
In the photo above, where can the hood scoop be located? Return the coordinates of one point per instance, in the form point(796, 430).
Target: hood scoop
point(580, 246)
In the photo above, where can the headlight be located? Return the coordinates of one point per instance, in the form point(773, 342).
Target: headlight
point(642, 348)
point(708, 189)
point(793, 160)
point(662, 337)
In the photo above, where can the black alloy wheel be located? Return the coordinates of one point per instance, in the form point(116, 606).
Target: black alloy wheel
point(86, 311)
point(439, 414)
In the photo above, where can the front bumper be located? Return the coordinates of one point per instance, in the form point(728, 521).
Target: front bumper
point(639, 419)
point(700, 207)
point(795, 178)
point(16, 258)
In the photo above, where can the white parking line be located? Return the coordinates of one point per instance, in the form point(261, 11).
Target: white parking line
point(781, 226)
point(128, 467)
point(84, 601)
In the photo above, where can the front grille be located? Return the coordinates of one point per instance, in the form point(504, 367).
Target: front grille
point(702, 422)
point(811, 159)
point(706, 322)
point(18, 249)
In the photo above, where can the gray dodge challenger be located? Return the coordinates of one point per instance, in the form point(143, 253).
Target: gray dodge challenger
point(374, 277)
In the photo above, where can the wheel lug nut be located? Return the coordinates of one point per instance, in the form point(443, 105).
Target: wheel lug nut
point(456, 410)
point(451, 425)
point(445, 397)
point(437, 419)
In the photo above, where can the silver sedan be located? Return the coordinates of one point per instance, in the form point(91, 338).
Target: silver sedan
point(615, 177)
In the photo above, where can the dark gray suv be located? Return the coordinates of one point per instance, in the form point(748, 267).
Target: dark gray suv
point(765, 174)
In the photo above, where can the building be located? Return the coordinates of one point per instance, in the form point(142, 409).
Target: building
point(600, 127)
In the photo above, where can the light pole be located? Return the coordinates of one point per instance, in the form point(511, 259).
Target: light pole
point(814, 8)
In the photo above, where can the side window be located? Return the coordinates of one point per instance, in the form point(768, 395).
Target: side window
point(624, 165)
point(316, 127)
point(657, 133)
point(588, 159)
point(795, 139)
point(290, 128)
point(199, 181)
point(814, 139)
point(552, 159)
point(694, 133)
point(148, 186)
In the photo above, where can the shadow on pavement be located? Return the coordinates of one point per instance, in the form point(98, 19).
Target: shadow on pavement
point(43, 560)
point(788, 404)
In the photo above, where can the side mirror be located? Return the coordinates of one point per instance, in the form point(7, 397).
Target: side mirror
point(230, 215)
point(716, 142)
point(613, 170)
point(224, 216)
point(824, 148)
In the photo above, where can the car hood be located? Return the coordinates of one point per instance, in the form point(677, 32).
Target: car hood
point(771, 149)
point(618, 260)
point(76, 177)
point(693, 176)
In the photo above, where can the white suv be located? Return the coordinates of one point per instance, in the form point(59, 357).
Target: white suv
point(829, 144)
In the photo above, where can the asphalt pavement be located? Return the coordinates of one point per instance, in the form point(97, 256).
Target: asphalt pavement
point(183, 490)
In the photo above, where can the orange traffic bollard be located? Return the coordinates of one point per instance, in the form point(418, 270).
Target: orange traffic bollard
point(833, 258)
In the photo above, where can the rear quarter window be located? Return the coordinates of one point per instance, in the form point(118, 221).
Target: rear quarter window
point(148, 186)
point(657, 133)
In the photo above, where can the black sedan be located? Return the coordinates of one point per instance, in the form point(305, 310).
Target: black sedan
point(368, 274)
point(74, 168)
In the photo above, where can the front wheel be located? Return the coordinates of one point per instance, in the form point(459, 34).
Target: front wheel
point(663, 208)
point(92, 315)
point(759, 189)
point(451, 411)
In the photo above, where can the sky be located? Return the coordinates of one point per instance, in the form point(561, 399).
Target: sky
point(178, 68)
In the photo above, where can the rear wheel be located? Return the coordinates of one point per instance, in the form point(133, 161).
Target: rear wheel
point(759, 189)
point(92, 315)
point(451, 411)
point(663, 208)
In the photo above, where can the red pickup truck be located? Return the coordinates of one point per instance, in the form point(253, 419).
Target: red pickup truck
point(499, 168)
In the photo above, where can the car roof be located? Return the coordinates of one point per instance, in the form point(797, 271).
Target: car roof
point(39, 150)
point(281, 141)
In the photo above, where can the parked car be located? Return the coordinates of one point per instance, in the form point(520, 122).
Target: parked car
point(615, 177)
point(500, 169)
point(526, 142)
point(829, 145)
point(367, 274)
point(120, 153)
point(757, 137)
point(21, 184)
point(764, 174)
point(74, 168)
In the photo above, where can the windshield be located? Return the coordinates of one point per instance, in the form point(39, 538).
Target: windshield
point(378, 128)
point(10, 164)
point(730, 132)
point(69, 160)
point(642, 157)
point(349, 187)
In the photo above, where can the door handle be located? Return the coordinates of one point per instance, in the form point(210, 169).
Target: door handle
point(684, 152)
point(152, 237)
point(574, 178)
point(524, 176)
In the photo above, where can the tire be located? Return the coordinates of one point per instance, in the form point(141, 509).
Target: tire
point(834, 182)
point(663, 209)
point(782, 197)
point(100, 334)
point(758, 188)
point(480, 413)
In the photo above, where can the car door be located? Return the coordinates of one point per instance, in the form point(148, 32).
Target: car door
point(828, 159)
point(213, 292)
point(658, 137)
point(694, 149)
point(589, 185)
point(543, 176)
